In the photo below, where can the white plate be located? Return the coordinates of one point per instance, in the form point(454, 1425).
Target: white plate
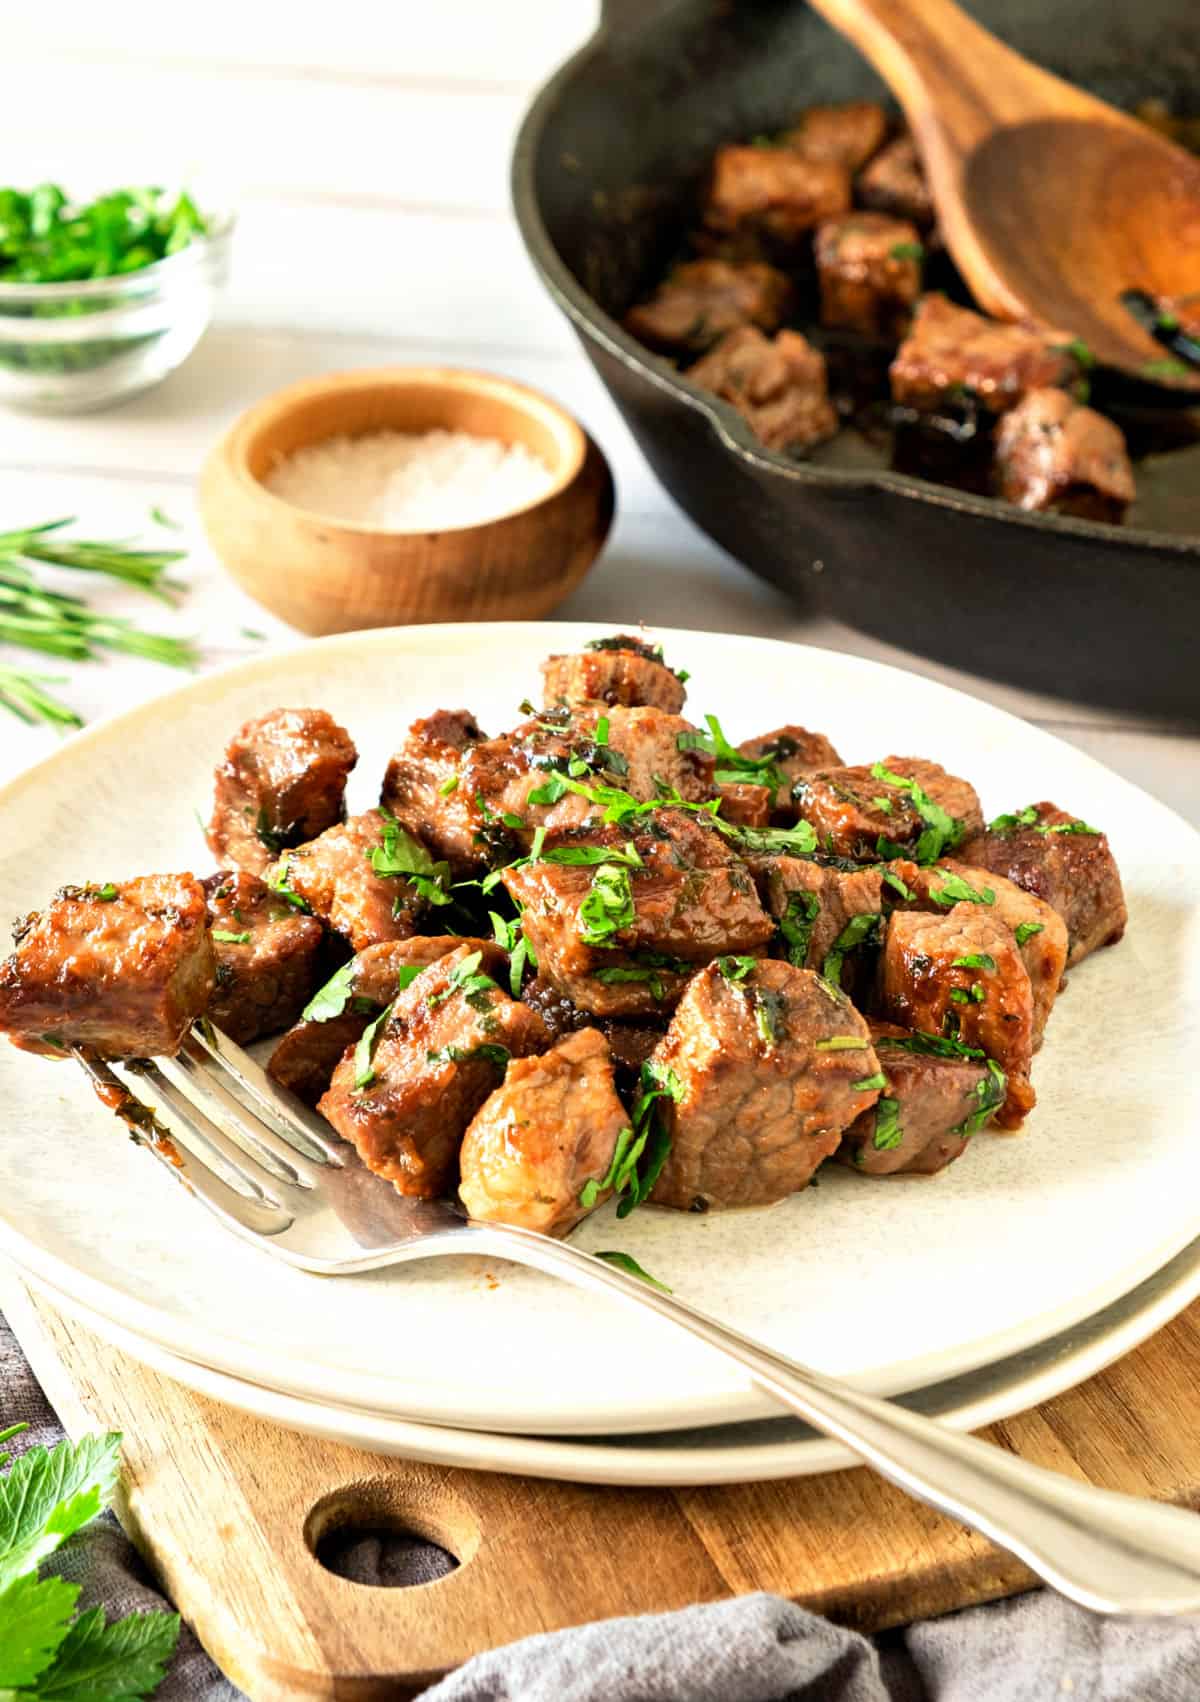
point(733, 1453)
point(890, 1284)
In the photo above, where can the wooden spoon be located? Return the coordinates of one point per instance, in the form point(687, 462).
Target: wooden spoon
point(1052, 203)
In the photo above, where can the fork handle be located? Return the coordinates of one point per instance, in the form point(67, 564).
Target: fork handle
point(1112, 1553)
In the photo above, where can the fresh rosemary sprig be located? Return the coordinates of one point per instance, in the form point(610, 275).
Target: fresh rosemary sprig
point(112, 557)
point(23, 695)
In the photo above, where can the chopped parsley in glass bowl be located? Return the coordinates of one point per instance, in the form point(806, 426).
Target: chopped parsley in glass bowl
point(104, 297)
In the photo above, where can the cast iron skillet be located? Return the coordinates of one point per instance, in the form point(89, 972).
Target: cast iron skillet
point(606, 165)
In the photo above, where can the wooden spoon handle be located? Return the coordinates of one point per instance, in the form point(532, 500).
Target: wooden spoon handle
point(955, 81)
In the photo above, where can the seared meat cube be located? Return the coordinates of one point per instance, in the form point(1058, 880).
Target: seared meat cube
point(823, 914)
point(780, 387)
point(859, 812)
point(796, 753)
point(961, 975)
point(745, 803)
point(1055, 456)
point(305, 1058)
point(894, 182)
point(620, 938)
point(951, 352)
point(266, 956)
point(937, 1094)
point(541, 1137)
point(337, 878)
point(422, 787)
point(774, 192)
point(847, 134)
point(124, 968)
point(768, 1068)
point(620, 670)
point(630, 1043)
point(698, 302)
point(437, 1053)
point(869, 270)
point(283, 780)
point(1039, 931)
point(642, 750)
point(1062, 861)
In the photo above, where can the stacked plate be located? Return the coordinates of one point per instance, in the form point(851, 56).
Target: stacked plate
point(1025, 1267)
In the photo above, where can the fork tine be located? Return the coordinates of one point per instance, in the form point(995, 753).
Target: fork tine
point(264, 1188)
point(194, 1075)
point(301, 1127)
point(189, 1170)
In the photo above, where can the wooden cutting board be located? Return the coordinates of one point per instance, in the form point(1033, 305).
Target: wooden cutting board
point(226, 1507)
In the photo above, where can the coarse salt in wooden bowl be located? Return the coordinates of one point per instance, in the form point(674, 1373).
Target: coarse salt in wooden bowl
point(326, 574)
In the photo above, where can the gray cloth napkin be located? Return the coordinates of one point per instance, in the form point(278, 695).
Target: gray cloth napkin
point(760, 1648)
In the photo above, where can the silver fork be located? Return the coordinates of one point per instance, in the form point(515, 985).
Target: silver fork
point(274, 1173)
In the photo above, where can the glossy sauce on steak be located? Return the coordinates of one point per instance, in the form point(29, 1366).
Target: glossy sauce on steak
point(283, 781)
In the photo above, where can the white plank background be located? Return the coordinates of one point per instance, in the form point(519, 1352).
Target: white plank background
point(366, 149)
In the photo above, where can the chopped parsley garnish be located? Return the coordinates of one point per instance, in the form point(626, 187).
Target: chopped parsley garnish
point(770, 1010)
point(1069, 827)
point(511, 938)
point(973, 995)
point(941, 828)
point(643, 1157)
point(331, 999)
point(798, 841)
point(594, 1187)
point(277, 880)
point(273, 838)
point(587, 856)
point(888, 1133)
point(105, 894)
point(737, 968)
point(549, 792)
point(398, 853)
point(648, 966)
point(974, 960)
point(796, 925)
point(601, 733)
point(364, 1052)
point(955, 890)
point(907, 251)
point(608, 905)
point(733, 768)
point(868, 1084)
point(1079, 352)
point(890, 878)
point(1026, 930)
point(1019, 818)
point(497, 1056)
point(932, 1045)
point(1167, 369)
point(882, 804)
point(841, 1043)
point(858, 931)
point(988, 1094)
point(467, 979)
point(626, 1262)
point(225, 938)
point(407, 974)
point(448, 785)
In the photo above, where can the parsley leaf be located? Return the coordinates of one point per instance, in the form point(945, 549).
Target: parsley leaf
point(398, 853)
point(607, 907)
point(278, 881)
point(974, 960)
point(796, 925)
point(955, 890)
point(736, 968)
point(1026, 930)
point(932, 1045)
point(647, 966)
point(120, 1662)
point(331, 999)
point(869, 1083)
point(364, 1052)
point(34, 1616)
point(907, 251)
point(626, 1262)
point(106, 893)
point(586, 856)
point(1069, 827)
point(448, 785)
point(48, 1496)
point(593, 1187)
point(798, 841)
point(225, 938)
point(652, 1139)
point(988, 1094)
point(1020, 818)
point(770, 1008)
point(732, 766)
point(467, 978)
point(841, 1043)
point(888, 1133)
point(485, 1051)
point(941, 828)
point(858, 931)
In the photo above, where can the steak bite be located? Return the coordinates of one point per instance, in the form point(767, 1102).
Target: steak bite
point(543, 1135)
point(848, 133)
point(621, 670)
point(937, 1093)
point(779, 387)
point(1064, 862)
point(1039, 931)
point(894, 182)
point(124, 968)
point(701, 300)
point(775, 193)
point(796, 753)
point(640, 756)
point(266, 955)
point(1054, 456)
point(769, 1066)
point(823, 914)
point(282, 781)
point(903, 802)
point(961, 975)
point(307, 1055)
point(421, 788)
point(344, 877)
point(869, 270)
point(951, 352)
point(620, 935)
point(630, 1043)
point(434, 1056)
point(745, 803)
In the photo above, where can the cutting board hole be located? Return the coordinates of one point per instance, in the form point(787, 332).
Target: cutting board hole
point(369, 1535)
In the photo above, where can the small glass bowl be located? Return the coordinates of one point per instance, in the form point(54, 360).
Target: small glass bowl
point(68, 348)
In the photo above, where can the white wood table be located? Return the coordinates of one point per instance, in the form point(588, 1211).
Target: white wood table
point(368, 158)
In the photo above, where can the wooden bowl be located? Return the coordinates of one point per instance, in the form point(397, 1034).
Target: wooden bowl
point(328, 575)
